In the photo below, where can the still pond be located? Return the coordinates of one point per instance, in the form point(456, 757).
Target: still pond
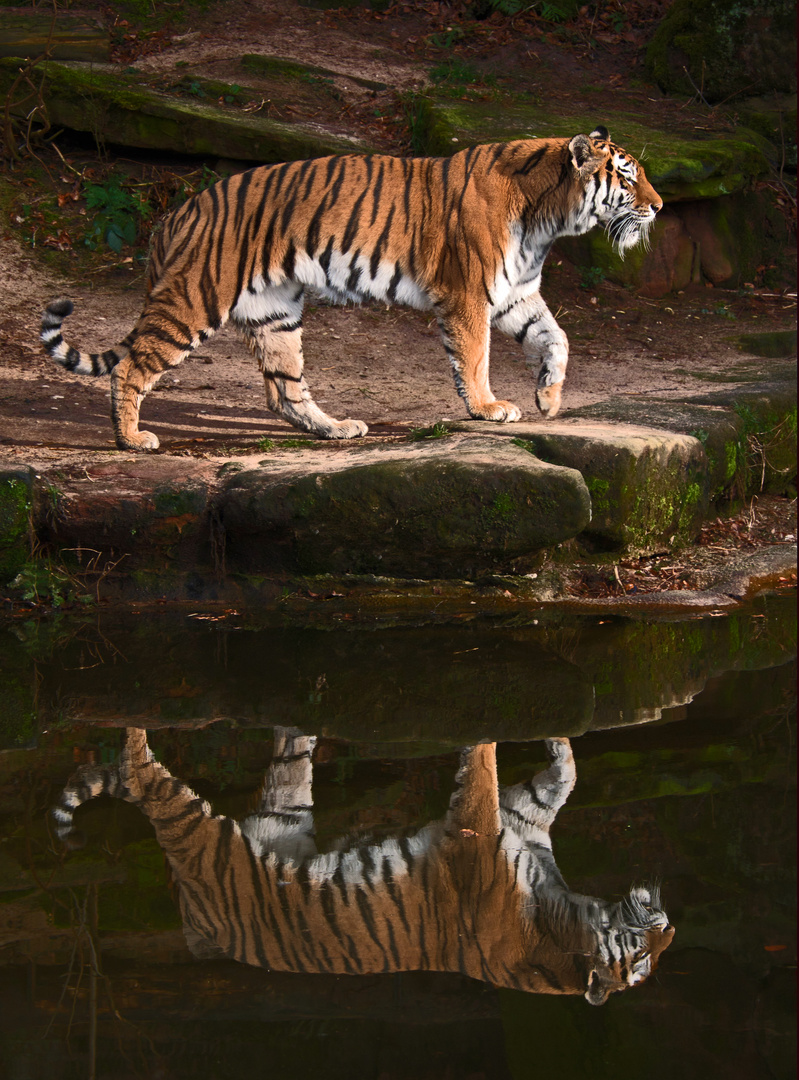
point(558, 846)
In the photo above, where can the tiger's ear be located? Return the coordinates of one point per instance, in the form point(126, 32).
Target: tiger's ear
point(600, 133)
point(584, 157)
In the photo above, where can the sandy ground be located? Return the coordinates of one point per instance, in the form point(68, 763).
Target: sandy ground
point(386, 367)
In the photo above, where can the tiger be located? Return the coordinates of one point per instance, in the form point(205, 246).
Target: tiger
point(464, 236)
point(477, 892)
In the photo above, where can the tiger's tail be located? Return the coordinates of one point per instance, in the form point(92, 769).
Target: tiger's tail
point(87, 783)
point(82, 363)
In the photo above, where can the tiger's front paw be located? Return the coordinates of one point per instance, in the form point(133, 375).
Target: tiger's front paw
point(500, 412)
point(138, 441)
point(547, 398)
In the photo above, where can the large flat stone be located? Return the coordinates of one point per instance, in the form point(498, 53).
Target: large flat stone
point(748, 433)
point(648, 487)
point(455, 507)
point(631, 475)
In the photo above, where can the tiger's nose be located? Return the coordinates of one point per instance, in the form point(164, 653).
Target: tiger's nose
point(656, 204)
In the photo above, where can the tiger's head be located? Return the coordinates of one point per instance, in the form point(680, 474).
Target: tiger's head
point(634, 934)
point(617, 193)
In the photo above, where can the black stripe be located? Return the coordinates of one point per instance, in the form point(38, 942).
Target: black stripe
point(289, 260)
point(370, 926)
point(376, 192)
point(354, 276)
point(324, 259)
point(533, 160)
point(382, 241)
point(394, 283)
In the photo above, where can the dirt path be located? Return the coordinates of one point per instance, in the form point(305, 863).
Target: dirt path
point(386, 367)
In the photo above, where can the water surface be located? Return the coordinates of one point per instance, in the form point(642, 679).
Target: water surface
point(683, 733)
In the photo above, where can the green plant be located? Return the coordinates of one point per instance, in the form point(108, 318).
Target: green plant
point(296, 444)
point(415, 120)
point(118, 213)
point(42, 582)
point(265, 445)
point(554, 11)
point(448, 39)
point(436, 431)
point(454, 71)
point(591, 276)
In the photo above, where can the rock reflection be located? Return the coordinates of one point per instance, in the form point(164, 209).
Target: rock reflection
point(477, 892)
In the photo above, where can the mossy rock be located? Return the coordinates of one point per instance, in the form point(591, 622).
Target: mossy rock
point(722, 48)
point(64, 34)
point(452, 509)
point(648, 488)
point(748, 434)
point(279, 67)
point(773, 344)
point(16, 517)
point(679, 166)
point(766, 448)
point(126, 111)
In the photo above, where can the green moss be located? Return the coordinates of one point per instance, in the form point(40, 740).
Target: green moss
point(678, 166)
point(16, 508)
point(774, 344)
point(291, 69)
point(126, 110)
point(722, 48)
point(766, 448)
point(599, 490)
point(170, 501)
point(429, 513)
point(730, 461)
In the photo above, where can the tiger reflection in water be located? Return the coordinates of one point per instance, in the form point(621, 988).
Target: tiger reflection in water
point(477, 892)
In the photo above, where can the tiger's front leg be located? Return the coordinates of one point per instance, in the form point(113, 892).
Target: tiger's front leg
point(465, 331)
point(533, 325)
point(531, 808)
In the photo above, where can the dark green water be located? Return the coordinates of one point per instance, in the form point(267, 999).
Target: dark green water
point(683, 733)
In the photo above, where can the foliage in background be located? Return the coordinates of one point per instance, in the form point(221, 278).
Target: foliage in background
point(102, 210)
point(550, 10)
point(118, 214)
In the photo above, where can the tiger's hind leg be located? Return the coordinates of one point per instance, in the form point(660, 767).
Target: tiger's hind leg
point(531, 808)
point(160, 340)
point(283, 822)
point(275, 337)
point(474, 805)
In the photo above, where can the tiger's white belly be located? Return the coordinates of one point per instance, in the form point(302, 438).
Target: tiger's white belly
point(345, 279)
